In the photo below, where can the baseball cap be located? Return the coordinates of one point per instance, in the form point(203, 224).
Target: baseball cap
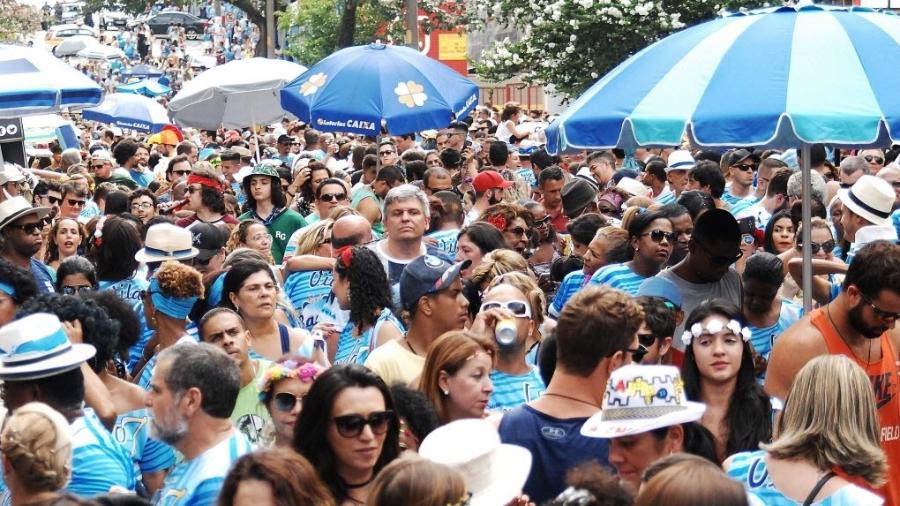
point(489, 180)
point(737, 156)
point(285, 139)
point(426, 275)
point(208, 240)
point(662, 288)
point(102, 154)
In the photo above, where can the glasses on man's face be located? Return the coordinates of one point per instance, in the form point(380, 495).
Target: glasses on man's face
point(877, 159)
point(720, 260)
point(744, 166)
point(386, 152)
point(657, 236)
point(76, 202)
point(646, 340)
point(29, 228)
point(350, 426)
point(73, 289)
point(180, 173)
point(97, 166)
point(881, 313)
point(53, 200)
point(638, 354)
point(141, 206)
point(332, 197)
point(192, 189)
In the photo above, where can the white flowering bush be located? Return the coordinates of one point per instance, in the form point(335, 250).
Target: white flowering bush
point(567, 44)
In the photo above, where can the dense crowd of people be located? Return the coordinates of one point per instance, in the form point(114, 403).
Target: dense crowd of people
point(442, 318)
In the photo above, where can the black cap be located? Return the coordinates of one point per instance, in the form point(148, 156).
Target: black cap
point(208, 239)
point(285, 139)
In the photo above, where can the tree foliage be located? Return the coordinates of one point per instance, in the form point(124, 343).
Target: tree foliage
point(17, 20)
point(567, 44)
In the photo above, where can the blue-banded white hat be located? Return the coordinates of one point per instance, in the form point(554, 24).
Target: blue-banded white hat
point(36, 346)
point(166, 241)
point(680, 160)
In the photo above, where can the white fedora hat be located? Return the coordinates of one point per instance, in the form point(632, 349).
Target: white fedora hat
point(640, 398)
point(680, 160)
point(870, 197)
point(36, 346)
point(166, 242)
point(494, 472)
point(16, 207)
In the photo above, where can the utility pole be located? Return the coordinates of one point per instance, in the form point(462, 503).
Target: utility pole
point(412, 24)
point(270, 28)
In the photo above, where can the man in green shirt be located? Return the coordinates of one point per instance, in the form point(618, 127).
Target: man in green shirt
point(267, 204)
point(225, 328)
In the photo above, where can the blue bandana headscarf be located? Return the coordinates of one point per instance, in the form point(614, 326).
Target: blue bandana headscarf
point(170, 306)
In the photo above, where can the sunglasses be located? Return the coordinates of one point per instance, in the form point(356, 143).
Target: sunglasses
point(721, 260)
point(657, 236)
point(192, 189)
point(382, 153)
point(518, 231)
point(827, 246)
point(181, 172)
point(98, 166)
point(71, 290)
point(76, 202)
point(646, 340)
point(638, 354)
point(350, 426)
point(744, 166)
point(333, 197)
point(285, 401)
point(543, 222)
point(881, 313)
point(519, 308)
point(877, 159)
point(748, 239)
point(30, 228)
point(53, 200)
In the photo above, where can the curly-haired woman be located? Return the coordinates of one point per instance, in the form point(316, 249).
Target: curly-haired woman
point(361, 286)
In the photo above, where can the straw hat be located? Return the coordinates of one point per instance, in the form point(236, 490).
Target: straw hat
point(870, 197)
point(494, 472)
point(36, 346)
point(633, 187)
point(640, 398)
point(17, 207)
point(166, 242)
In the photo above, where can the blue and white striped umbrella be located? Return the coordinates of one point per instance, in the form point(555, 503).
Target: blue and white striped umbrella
point(127, 110)
point(777, 77)
point(35, 82)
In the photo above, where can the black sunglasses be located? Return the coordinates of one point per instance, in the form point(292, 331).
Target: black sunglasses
point(76, 202)
point(382, 153)
point(350, 426)
point(827, 246)
point(71, 290)
point(285, 401)
point(720, 260)
point(881, 313)
point(877, 159)
point(657, 236)
point(646, 340)
point(30, 228)
point(638, 354)
point(332, 197)
point(745, 166)
point(54, 200)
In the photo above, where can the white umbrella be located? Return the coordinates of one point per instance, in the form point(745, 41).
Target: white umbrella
point(72, 45)
point(239, 94)
point(101, 52)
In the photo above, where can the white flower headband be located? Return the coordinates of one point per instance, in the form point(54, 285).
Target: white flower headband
point(714, 327)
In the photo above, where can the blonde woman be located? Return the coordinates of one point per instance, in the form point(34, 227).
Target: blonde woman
point(493, 264)
point(829, 440)
point(37, 454)
point(414, 480)
point(456, 376)
point(512, 311)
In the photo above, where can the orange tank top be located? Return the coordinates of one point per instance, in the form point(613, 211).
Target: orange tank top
point(884, 376)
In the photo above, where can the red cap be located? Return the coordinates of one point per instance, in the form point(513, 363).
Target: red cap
point(488, 180)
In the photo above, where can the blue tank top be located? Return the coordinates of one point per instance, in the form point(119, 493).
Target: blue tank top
point(556, 445)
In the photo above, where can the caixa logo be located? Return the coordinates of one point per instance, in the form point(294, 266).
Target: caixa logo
point(136, 125)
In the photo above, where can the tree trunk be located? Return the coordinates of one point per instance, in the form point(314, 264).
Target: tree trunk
point(347, 27)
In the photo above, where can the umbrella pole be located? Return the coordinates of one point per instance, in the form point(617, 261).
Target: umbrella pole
point(807, 232)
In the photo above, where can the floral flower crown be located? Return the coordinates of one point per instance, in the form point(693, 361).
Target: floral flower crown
point(714, 327)
point(289, 369)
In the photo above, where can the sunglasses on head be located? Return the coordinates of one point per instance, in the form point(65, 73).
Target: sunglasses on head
point(519, 308)
point(657, 236)
point(350, 426)
point(332, 197)
point(827, 246)
point(285, 401)
point(744, 166)
point(877, 159)
point(71, 290)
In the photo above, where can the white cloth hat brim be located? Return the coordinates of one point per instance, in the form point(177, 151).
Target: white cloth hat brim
point(595, 426)
point(844, 195)
point(72, 358)
point(143, 256)
point(509, 471)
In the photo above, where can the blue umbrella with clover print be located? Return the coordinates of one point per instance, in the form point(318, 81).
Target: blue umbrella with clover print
point(354, 89)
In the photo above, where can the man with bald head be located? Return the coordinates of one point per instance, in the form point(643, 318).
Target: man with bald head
point(351, 230)
point(891, 174)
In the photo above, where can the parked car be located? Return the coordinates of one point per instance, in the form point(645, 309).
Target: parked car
point(193, 26)
point(113, 19)
point(57, 33)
